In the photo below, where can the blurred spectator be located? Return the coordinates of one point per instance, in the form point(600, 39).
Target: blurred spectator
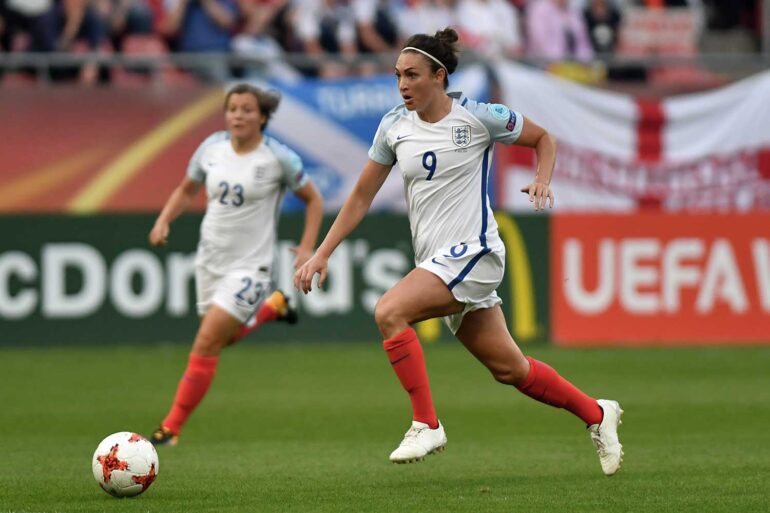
point(61, 25)
point(84, 20)
point(130, 17)
point(204, 26)
point(262, 17)
point(491, 27)
point(376, 25)
point(35, 18)
point(86, 27)
point(653, 4)
point(327, 28)
point(425, 17)
point(603, 23)
point(557, 31)
point(265, 23)
point(727, 14)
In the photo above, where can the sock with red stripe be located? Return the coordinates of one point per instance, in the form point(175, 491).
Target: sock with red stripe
point(266, 313)
point(544, 384)
point(192, 388)
point(406, 356)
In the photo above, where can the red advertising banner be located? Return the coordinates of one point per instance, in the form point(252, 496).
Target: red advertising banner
point(660, 278)
point(83, 150)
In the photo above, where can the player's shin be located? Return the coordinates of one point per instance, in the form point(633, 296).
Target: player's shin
point(406, 356)
point(192, 388)
point(544, 384)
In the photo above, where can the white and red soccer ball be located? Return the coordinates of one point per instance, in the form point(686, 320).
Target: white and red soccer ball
point(125, 464)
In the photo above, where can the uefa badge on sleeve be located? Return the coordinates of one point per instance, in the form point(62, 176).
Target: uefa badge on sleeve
point(461, 135)
point(511, 122)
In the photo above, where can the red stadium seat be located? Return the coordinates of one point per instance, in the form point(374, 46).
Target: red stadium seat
point(20, 42)
point(144, 44)
point(149, 45)
point(17, 80)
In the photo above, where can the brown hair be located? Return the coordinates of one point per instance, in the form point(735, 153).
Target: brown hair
point(266, 100)
point(442, 45)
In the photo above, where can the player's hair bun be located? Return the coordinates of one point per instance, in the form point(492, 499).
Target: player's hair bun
point(442, 46)
point(448, 36)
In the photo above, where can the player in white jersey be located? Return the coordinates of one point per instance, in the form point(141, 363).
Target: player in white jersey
point(443, 145)
point(246, 174)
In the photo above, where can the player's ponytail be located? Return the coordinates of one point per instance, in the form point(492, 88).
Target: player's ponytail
point(267, 100)
point(440, 50)
point(268, 103)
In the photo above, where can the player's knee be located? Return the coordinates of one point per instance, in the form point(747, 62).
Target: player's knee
point(383, 312)
point(387, 315)
point(513, 373)
point(208, 344)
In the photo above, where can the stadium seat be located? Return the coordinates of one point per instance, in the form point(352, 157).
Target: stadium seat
point(148, 45)
point(20, 42)
point(145, 45)
point(17, 79)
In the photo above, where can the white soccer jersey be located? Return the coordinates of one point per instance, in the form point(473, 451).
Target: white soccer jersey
point(244, 197)
point(445, 166)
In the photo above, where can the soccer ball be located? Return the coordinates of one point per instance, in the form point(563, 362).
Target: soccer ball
point(125, 464)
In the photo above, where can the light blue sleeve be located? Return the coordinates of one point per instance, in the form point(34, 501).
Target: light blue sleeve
point(381, 151)
point(504, 124)
point(194, 169)
point(291, 164)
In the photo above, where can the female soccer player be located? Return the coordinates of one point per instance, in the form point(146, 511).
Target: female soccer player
point(443, 144)
point(246, 174)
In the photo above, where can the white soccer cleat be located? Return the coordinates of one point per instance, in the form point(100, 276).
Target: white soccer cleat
point(605, 437)
point(418, 442)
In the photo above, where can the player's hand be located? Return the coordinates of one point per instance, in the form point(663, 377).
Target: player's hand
point(303, 278)
point(159, 234)
point(539, 194)
point(301, 255)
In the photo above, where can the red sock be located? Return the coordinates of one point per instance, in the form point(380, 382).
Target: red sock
point(192, 387)
point(406, 356)
point(265, 314)
point(544, 384)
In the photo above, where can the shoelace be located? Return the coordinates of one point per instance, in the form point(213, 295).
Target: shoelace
point(601, 448)
point(412, 434)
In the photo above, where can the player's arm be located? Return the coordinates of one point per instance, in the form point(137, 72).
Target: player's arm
point(354, 209)
point(356, 206)
point(176, 204)
point(535, 136)
point(314, 209)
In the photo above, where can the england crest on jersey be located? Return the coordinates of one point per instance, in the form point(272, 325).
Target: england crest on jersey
point(461, 135)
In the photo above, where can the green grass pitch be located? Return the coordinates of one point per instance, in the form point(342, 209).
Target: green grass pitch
point(308, 428)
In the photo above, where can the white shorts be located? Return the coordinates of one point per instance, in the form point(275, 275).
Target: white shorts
point(239, 292)
point(472, 273)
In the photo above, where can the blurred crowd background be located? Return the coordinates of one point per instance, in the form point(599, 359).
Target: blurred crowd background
point(331, 38)
point(660, 232)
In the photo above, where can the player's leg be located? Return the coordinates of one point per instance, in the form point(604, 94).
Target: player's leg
point(485, 333)
point(275, 308)
point(225, 301)
point(216, 330)
point(418, 296)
